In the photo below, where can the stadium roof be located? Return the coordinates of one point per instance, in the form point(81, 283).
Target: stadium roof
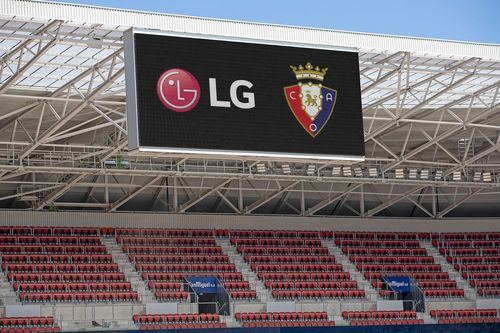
point(430, 108)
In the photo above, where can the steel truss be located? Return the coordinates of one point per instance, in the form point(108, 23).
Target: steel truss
point(63, 138)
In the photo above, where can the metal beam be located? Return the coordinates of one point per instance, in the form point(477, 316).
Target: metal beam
point(130, 195)
point(202, 196)
point(392, 201)
point(455, 204)
point(69, 115)
point(54, 195)
point(269, 197)
point(325, 202)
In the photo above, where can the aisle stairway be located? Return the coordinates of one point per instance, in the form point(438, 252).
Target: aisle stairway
point(263, 294)
point(371, 293)
point(470, 293)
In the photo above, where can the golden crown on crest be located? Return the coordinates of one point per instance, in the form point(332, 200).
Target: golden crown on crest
point(309, 72)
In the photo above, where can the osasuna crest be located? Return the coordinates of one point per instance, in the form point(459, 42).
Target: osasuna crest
point(311, 102)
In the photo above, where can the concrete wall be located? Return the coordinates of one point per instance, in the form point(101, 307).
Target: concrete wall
point(154, 220)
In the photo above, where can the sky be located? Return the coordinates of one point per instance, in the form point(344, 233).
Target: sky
point(465, 20)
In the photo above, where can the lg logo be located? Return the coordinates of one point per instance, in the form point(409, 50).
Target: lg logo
point(179, 91)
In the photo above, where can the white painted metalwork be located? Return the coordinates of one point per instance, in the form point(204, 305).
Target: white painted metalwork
point(431, 112)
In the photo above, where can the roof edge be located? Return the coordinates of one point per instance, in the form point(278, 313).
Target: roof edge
point(245, 29)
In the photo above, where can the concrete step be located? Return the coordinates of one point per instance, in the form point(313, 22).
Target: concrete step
point(426, 317)
point(364, 284)
point(263, 294)
point(131, 275)
point(470, 292)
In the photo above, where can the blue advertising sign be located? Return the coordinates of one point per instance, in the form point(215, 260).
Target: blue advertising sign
point(399, 283)
point(203, 285)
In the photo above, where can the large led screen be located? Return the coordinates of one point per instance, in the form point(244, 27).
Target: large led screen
point(188, 94)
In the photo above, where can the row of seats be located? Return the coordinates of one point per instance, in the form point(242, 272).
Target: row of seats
point(165, 241)
point(387, 322)
point(392, 260)
point(52, 249)
point(128, 296)
point(177, 296)
point(56, 258)
point(280, 316)
point(373, 243)
point(274, 242)
point(177, 259)
point(59, 287)
point(464, 313)
point(50, 240)
point(391, 268)
point(179, 277)
point(284, 319)
point(59, 268)
point(267, 234)
point(186, 268)
point(302, 276)
point(468, 236)
point(485, 284)
point(488, 292)
point(138, 232)
point(437, 276)
point(48, 231)
point(150, 327)
point(470, 252)
point(381, 235)
point(184, 250)
point(6, 322)
point(276, 251)
point(466, 316)
point(474, 260)
point(296, 268)
point(66, 277)
point(466, 244)
point(494, 268)
point(444, 292)
point(290, 259)
point(175, 318)
point(311, 285)
point(357, 315)
point(295, 294)
point(361, 251)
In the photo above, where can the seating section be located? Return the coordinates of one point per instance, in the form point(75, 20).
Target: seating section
point(368, 318)
point(47, 264)
point(284, 319)
point(396, 254)
point(294, 264)
point(164, 257)
point(476, 256)
point(28, 324)
point(178, 321)
point(466, 316)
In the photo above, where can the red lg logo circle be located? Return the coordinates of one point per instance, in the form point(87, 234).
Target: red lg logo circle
point(178, 90)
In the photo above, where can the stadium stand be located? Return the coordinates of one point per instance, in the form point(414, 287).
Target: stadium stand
point(284, 319)
point(294, 264)
point(47, 264)
point(368, 318)
point(476, 256)
point(28, 324)
point(466, 316)
point(164, 257)
point(379, 254)
point(178, 321)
